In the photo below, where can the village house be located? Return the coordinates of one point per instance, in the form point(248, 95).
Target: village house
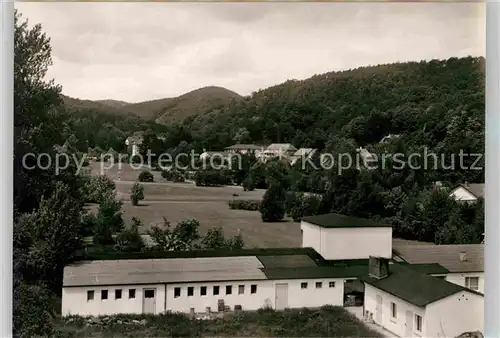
point(133, 143)
point(389, 137)
point(278, 150)
point(245, 149)
point(302, 153)
point(468, 192)
point(465, 262)
point(412, 304)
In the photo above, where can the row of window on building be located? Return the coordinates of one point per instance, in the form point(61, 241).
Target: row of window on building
point(215, 290)
point(318, 285)
point(191, 291)
point(118, 294)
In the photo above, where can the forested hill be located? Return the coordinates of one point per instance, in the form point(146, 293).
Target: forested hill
point(420, 100)
point(437, 104)
point(166, 110)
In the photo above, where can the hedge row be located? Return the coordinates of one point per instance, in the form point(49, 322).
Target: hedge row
point(252, 205)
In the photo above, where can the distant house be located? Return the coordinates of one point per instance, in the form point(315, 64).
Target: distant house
point(222, 155)
point(133, 143)
point(389, 137)
point(302, 153)
point(465, 262)
point(245, 149)
point(412, 304)
point(278, 149)
point(468, 192)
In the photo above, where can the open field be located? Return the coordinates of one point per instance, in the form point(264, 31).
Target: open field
point(325, 322)
point(181, 201)
point(188, 192)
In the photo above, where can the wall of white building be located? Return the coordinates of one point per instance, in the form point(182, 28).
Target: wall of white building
point(459, 278)
point(265, 295)
point(461, 194)
point(395, 325)
point(454, 315)
point(347, 243)
point(74, 300)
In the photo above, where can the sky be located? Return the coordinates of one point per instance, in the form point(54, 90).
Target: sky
point(142, 51)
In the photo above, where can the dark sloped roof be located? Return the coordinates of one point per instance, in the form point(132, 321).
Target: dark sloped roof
point(245, 147)
point(445, 255)
point(429, 269)
point(414, 287)
point(343, 221)
point(477, 189)
point(198, 253)
point(309, 272)
point(287, 261)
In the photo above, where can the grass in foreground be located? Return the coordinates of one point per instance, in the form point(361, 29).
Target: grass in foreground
point(328, 321)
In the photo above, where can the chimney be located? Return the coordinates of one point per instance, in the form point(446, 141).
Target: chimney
point(466, 183)
point(463, 256)
point(378, 267)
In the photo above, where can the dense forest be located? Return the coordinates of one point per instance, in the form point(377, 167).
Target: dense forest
point(434, 105)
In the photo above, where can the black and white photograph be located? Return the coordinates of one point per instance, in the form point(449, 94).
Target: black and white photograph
point(250, 169)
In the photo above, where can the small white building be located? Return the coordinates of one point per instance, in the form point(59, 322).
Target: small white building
point(412, 304)
point(465, 262)
point(219, 155)
point(336, 237)
point(468, 192)
point(133, 143)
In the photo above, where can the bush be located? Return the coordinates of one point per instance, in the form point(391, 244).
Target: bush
point(292, 199)
point(146, 176)
point(251, 205)
point(213, 178)
point(99, 188)
point(305, 206)
point(137, 193)
point(272, 208)
point(173, 176)
point(130, 240)
point(248, 184)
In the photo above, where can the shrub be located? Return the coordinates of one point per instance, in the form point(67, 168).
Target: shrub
point(130, 240)
point(305, 206)
point(272, 208)
point(146, 176)
point(212, 178)
point(292, 199)
point(137, 193)
point(248, 184)
point(252, 205)
point(99, 188)
point(173, 176)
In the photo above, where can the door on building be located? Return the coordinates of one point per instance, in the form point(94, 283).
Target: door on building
point(149, 301)
point(409, 324)
point(378, 310)
point(281, 301)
